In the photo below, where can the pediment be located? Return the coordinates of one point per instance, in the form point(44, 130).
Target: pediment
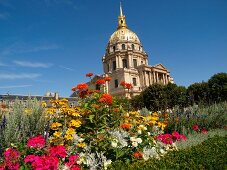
point(160, 66)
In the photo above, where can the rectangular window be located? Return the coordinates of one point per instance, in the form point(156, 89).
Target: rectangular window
point(108, 67)
point(134, 81)
point(116, 83)
point(124, 63)
point(114, 65)
point(135, 63)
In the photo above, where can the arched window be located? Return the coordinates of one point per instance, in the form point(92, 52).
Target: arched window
point(123, 46)
point(124, 63)
point(133, 47)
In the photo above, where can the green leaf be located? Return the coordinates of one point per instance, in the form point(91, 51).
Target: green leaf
point(91, 117)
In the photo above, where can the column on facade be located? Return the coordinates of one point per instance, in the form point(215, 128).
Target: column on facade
point(154, 77)
point(144, 78)
point(163, 78)
point(157, 78)
point(167, 81)
point(149, 77)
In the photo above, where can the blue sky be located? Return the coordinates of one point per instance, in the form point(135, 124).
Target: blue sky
point(49, 45)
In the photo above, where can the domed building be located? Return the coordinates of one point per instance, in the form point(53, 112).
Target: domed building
point(126, 60)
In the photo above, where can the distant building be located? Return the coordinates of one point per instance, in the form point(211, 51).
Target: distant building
point(126, 60)
point(9, 99)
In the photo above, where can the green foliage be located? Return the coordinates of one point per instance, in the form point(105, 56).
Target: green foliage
point(23, 122)
point(218, 87)
point(160, 97)
point(208, 117)
point(198, 93)
point(210, 154)
point(195, 138)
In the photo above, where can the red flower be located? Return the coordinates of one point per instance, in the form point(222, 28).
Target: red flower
point(195, 127)
point(89, 74)
point(58, 151)
point(11, 155)
point(177, 136)
point(36, 142)
point(100, 81)
point(107, 78)
point(106, 98)
point(138, 155)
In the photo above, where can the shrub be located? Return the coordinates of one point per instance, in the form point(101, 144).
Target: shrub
point(210, 154)
point(23, 122)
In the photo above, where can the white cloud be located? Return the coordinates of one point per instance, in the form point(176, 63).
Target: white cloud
point(32, 64)
point(66, 68)
point(13, 76)
point(21, 48)
point(15, 86)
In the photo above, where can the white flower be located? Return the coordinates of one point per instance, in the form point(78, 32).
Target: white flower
point(139, 140)
point(148, 133)
point(106, 163)
point(114, 144)
point(81, 140)
point(134, 144)
point(139, 132)
point(132, 139)
point(162, 151)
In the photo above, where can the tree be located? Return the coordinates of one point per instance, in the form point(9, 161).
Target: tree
point(218, 87)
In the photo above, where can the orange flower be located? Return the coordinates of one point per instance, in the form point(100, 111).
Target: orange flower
point(100, 81)
point(93, 91)
point(128, 85)
point(83, 93)
point(107, 78)
point(123, 83)
point(138, 155)
point(106, 98)
point(89, 74)
point(116, 110)
point(82, 86)
point(126, 126)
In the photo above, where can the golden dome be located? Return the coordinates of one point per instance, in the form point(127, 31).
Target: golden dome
point(123, 33)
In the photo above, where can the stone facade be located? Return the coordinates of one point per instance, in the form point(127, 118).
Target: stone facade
point(126, 60)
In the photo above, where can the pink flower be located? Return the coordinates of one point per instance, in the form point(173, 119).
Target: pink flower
point(36, 142)
point(204, 131)
point(72, 160)
point(45, 163)
point(30, 158)
point(165, 138)
point(11, 155)
point(195, 127)
point(75, 167)
point(58, 151)
point(178, 137)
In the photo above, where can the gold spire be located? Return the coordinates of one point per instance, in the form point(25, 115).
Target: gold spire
point(121, 19)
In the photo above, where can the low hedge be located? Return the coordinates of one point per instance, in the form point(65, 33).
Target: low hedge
point(210, 154)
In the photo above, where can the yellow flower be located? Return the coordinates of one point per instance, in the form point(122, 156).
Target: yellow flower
point(70, 131)
point(51, 110)
point(161, 125)
point(142, 127)
point(75, 123)
point(55, 126)
point(68, 137)
point(81, 145)
point(44, 104)
point(57, 134)
point(28, 111)
point(155, 114)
